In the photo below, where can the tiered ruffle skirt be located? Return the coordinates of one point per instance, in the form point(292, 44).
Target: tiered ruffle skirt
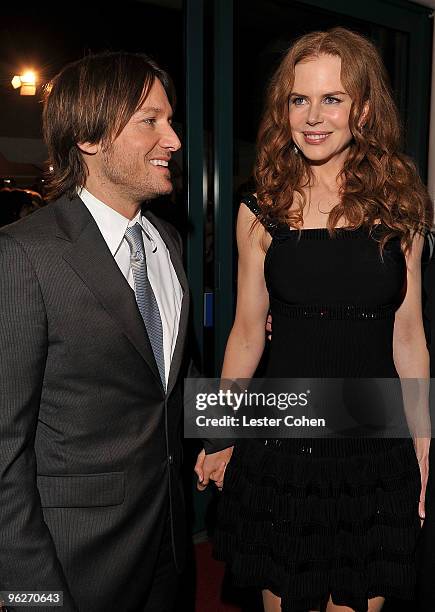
point(309, 519)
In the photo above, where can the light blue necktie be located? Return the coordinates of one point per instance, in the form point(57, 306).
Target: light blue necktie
point(145, 298)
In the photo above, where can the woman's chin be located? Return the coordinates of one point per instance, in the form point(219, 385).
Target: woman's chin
point(320, 157)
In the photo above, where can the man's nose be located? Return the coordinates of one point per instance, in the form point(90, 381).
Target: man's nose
point(170, 140)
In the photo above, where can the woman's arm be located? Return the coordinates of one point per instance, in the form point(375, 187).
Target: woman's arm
point(246, 341)
point(411, 359)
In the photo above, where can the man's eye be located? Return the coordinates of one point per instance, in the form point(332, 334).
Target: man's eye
point(150, 121)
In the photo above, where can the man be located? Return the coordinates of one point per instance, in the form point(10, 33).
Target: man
point(93, 317)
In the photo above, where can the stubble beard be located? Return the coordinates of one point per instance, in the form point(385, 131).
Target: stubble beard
point(117, 171)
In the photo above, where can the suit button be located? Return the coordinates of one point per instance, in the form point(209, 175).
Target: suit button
point(170, 459)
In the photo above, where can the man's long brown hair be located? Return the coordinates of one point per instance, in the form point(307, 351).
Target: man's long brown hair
point(378, 182)
point(92, 100)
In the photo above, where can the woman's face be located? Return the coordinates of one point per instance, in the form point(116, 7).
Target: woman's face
point(319, 109)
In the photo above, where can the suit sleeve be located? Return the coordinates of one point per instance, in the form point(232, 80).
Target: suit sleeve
point(28, 559)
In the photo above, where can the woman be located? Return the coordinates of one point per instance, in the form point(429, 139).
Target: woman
point(332, 245)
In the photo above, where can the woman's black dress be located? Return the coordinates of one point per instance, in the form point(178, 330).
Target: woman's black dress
point(318, 517)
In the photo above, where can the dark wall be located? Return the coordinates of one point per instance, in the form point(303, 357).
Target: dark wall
point(45, 36)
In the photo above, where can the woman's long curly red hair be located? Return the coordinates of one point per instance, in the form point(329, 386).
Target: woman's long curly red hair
point(378, 182)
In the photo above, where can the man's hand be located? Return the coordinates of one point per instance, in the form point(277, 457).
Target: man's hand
point(212, 467)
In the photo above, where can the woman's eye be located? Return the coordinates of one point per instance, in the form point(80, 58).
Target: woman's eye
point(332, 100)
point(297, 101)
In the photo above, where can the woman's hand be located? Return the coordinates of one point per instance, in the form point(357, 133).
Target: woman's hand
point(424, 474)
point(269, 326)
point(422, 447)
point(212, 467)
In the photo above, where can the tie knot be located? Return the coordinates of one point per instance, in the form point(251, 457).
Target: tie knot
point(133, 235)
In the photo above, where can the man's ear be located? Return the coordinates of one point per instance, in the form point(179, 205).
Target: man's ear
point(89, 148)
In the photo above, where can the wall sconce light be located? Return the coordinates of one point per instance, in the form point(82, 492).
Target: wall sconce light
point(26, 82)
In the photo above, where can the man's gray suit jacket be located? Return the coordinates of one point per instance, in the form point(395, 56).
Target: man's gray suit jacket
point(90, 445)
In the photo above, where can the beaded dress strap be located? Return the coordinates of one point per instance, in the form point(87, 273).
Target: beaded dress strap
point(252, 203)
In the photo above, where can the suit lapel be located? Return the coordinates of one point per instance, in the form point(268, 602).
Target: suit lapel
point(177, 262)
point(90, 258)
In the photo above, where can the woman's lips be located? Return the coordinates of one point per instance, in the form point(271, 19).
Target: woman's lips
point(315, 139)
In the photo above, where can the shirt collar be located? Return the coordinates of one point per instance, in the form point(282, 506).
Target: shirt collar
point(137, 219)
point(111, 223)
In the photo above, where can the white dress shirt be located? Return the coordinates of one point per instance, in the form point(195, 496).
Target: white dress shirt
point(161, 273)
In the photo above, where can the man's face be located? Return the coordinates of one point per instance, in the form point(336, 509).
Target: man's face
point(135, 165)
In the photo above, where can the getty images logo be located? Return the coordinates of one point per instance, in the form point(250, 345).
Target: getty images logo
point(234, 400)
